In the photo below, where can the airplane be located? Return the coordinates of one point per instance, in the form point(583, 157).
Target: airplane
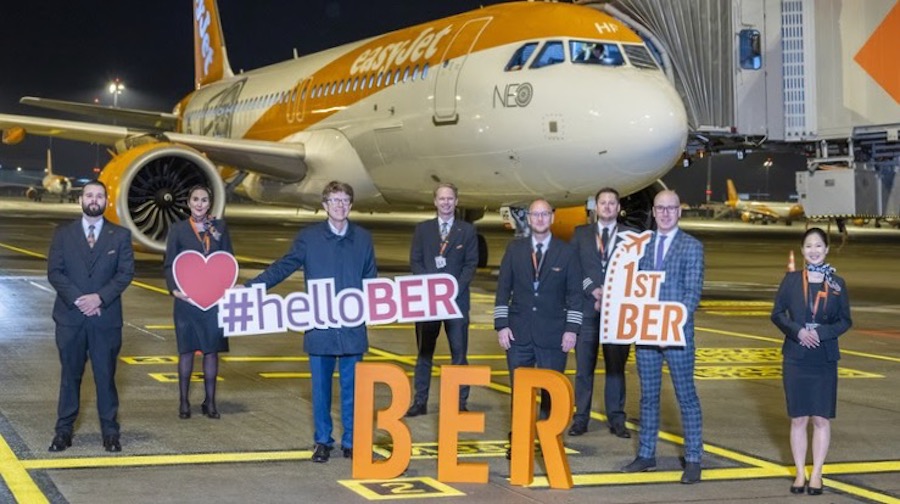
point(763, 211)
point(51, 183)
point(500, 101)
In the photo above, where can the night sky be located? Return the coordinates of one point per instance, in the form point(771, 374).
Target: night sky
point(71, 50)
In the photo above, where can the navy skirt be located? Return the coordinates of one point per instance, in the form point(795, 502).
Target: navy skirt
point(810, 386)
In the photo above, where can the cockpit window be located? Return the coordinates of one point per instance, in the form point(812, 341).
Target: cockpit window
point(552, 53)
point(640, 57)
point(596, 53)
point(521, 57)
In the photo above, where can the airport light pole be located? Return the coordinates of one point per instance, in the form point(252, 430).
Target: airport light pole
point(767, 164)
point(115, 88)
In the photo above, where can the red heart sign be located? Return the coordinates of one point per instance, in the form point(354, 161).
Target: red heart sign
point(204, 279)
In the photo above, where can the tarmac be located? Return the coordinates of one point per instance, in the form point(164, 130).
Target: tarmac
point(259, 451)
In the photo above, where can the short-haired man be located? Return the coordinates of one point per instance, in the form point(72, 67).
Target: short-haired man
point(595, 244)
point(443, 245)
point(537, 311)
point(680, 255)
point(338, 249)
point(90, 264)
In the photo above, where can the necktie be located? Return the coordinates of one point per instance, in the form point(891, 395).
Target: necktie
point(445, 230)
point(660, 249)
point(91, 239)
point(604, 242)
point(538, 258)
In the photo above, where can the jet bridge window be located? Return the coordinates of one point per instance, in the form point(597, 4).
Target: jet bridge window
point(596, 53)
point(517, 62)
point(552, 53)
point(751, 50)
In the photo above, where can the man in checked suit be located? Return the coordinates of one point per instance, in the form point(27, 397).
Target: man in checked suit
point(90, 264)
point(680, 256)
point(595, 244)
point(537, 312)
point(443, 245)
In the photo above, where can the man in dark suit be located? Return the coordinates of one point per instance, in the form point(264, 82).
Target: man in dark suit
point(90, 264)
point(537, 312)
point(443, 245)
point(595, 244)
point(680, 256)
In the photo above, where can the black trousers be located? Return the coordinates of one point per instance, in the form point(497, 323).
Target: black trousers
point(75, 345)
point(614, 358)
point(426, 339)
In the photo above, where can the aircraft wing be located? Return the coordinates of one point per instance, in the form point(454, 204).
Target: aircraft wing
point(129, 117)
point(282, 161)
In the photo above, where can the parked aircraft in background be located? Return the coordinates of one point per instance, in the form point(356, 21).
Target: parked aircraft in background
point(503, 101)
point(54, 185)
point(763, 211)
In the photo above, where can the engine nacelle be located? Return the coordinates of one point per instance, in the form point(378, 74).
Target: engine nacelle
point(148, 189)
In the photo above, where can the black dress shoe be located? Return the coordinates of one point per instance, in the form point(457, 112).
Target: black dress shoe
point(60, 442)
point(210, 410)
point(691, 473)
point(111, 443)
point(578, 428)
point(184, 410)
point(620, 431)
point(321, 453)
point(417, 409)
point(798, 489)
point(640, 464)
point(348, 452)
point(811, 490)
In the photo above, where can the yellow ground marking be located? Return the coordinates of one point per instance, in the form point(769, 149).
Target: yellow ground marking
point(401, 488)
point(173, 377)
point(780, 340)
point(16, 476)
point(164, 460)
point(22, 251)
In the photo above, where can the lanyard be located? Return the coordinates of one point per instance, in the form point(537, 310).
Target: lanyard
point(600, 247)
point(822, 294)
point(204, 238)
point(537, 265)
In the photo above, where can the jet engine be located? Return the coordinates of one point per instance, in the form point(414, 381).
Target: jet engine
point(148, 189)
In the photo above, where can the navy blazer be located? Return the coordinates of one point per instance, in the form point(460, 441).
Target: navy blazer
point(594, 272)
point(684, 265)
point(461, 254)
point(75, 269)
point(791, 313)
point(539, 317)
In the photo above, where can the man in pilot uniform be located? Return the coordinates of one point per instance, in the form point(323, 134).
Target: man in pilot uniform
point(537, 311)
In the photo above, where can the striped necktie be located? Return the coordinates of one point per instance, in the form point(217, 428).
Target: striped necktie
point(91, 239)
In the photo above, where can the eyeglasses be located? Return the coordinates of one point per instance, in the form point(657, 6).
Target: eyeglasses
point(542, 215)
point(338, 201)
point(665, 209)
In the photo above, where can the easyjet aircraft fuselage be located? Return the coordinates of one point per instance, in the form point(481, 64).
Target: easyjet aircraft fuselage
point(436, 102)
point(508, 102)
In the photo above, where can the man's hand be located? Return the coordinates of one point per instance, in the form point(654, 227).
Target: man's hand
point(568, 341)
point(89, 304)
point(505, 336)
point(597, 293)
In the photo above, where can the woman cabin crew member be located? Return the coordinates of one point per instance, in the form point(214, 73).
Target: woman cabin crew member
point(812, 309)
point(196, 329)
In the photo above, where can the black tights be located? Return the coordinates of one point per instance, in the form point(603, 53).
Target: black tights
point(210, 372)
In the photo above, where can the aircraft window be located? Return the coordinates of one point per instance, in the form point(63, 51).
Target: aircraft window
point(552, 53)
point(406, 74)
point(415, 74)
point(640, 57)
point(371, 80)
point(303, 94)
point(425, 71)
point(378, 81)
point(596, 53)
point(334, 88)
point(355, 83)
point(521, 57)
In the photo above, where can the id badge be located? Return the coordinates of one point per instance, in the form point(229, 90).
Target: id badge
point(811, 326)
point(440, 262)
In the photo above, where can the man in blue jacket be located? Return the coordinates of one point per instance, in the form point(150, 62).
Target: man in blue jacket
point(338, 249)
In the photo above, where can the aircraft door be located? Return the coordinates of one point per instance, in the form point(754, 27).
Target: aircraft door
point(445, 85)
